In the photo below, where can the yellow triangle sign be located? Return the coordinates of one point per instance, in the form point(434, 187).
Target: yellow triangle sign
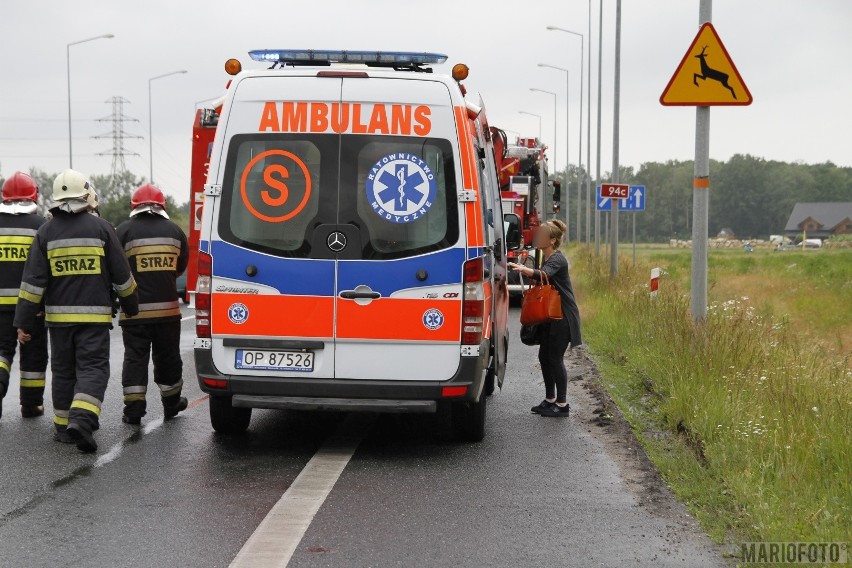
point(706, 75)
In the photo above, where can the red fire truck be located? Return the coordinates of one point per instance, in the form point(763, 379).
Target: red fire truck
point(522, 168)
point(203, 132)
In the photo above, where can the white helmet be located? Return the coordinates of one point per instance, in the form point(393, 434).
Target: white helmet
point(70, 184)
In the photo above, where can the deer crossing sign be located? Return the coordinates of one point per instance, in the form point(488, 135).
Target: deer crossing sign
point(706, 75)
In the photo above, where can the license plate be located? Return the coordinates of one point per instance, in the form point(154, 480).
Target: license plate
point(302, 361)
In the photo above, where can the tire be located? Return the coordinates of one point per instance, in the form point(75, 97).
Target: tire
point(227, 419)
point(469, 420)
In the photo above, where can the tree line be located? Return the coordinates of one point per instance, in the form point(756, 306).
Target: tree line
point(752, 196)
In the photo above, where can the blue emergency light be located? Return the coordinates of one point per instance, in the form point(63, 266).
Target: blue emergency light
point(326, 57)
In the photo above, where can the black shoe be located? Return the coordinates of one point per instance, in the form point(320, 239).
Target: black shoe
point(84, 439)
point(556, 410)
point(32, 410)
point(133, 420)
point(62, 436)
point(170, 412)
point(541, 406)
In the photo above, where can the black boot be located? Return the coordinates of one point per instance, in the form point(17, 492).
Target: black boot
point(171, 411)
point(32, 410)
point(83, 438)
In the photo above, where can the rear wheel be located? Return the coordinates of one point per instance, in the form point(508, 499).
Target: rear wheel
point(227, 419)
point(469, 420)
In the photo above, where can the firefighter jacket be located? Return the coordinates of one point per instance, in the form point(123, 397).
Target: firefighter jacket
point(16, 235)
point(157, 251)
point(72, 267)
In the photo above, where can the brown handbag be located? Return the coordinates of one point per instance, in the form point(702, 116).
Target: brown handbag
point(541, 303)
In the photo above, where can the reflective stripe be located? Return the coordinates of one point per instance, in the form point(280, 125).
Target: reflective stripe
point(4, 364)
point(16, 240)
point(35, 299)
point(87, 398)
point(62, 243)
point(33, 383)
point(9, 292)
point(75, 251)
point(36, 290)
point(32, 374)
point(86, 402)
point(60, 417)
point(18, 232)
point(152, 314)
point(134, 397)
point(150, 249)
point(129, 390)
point(78, 318)
point(159, 305)
point(127, 288)
point(79, 310)
point(177, 385)
point(152, 241)
point(8, 300)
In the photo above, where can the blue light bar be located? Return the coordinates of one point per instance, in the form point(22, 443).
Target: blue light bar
point(324, 57)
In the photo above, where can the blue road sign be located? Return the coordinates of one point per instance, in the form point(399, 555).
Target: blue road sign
point(636, 201)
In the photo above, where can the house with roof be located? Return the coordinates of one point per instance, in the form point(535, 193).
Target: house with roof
point(820, 220)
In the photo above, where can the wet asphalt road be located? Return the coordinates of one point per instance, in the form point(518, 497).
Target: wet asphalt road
point(537, 491)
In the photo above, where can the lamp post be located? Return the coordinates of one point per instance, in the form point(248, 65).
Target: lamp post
point(580, 156)
point(538, 116)
point(68, 78)
point(555, 169)
point(567, 128)
point(151, 124)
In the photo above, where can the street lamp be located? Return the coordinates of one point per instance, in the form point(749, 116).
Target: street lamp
point(533, 89)
point(567, 129)
point(68, 77)
point(538, 116)
point(580, 157)
point(150, 122)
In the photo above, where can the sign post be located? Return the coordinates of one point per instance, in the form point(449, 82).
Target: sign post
point(720, 84)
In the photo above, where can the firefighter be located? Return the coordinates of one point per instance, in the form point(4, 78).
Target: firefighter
point(73, 263)
point(19, 222)
point(157, 251)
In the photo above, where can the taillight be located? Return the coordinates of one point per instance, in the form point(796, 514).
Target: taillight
point(202, 295)
point(473, 302)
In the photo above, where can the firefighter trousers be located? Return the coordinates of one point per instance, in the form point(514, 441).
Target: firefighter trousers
point(33, 362)
point(161, 342)
point(79, 361)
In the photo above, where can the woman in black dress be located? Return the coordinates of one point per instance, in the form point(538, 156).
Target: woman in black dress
point(556, 336)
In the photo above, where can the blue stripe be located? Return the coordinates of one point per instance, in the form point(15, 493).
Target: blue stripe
point(294, 276)
point(475, 252)
point(389, 276)
point(204, 246)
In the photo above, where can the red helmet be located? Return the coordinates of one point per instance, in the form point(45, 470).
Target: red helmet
point(147, 194)
point(19, 187)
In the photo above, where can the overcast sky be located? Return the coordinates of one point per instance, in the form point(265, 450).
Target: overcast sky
point(792, 54)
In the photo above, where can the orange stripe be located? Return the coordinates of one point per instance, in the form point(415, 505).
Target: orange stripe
point(401, 319)
point(478, 238)
point(701, 183)
point(464, 147)
point(473, 213)
point(285, 316)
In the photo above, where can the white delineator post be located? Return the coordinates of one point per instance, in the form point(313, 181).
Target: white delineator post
point(655, 282)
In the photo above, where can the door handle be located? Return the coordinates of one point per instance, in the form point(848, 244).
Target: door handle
point(353, 295)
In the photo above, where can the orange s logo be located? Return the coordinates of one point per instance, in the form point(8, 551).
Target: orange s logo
point(276, 185)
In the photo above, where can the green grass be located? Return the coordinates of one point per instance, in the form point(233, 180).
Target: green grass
point(749, 415)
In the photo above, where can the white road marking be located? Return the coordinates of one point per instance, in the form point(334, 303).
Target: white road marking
point(116, 450)
point(187, 318)
point(279, 534)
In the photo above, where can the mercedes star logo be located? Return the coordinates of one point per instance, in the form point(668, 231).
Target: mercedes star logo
point(337, 241)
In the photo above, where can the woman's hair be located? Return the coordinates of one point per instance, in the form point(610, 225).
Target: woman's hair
point(557, 230)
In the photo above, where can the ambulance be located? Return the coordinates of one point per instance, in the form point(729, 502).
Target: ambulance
point(352, 254)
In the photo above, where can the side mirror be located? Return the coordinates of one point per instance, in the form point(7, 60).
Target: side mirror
point(512, 224)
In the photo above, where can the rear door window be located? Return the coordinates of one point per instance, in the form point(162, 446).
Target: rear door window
point(278, 188)
point(400, 192)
